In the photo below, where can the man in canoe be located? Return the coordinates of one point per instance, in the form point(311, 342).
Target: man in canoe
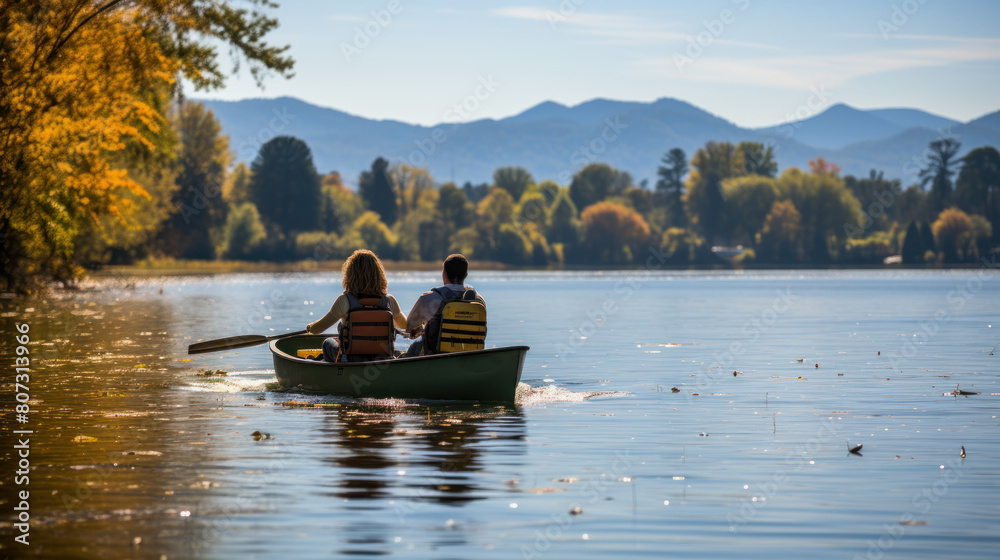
point(366, 297)
point(425, 319)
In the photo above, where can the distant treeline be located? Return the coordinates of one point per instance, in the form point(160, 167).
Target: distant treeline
point(726, 196)
point(725, 204)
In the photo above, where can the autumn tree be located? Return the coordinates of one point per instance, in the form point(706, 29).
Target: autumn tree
point(612, 232)
point(820, 166)
point(84, 87)
point(953, 233)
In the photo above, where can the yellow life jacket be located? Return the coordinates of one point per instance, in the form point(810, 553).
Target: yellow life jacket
point(368, 331)
point(459, 323)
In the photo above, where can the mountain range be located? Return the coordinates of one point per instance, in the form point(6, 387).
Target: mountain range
point(554, 141)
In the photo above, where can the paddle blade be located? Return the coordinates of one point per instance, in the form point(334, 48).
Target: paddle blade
point(229, 343)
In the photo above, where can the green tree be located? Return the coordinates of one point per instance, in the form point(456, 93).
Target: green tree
point(492, 212)
point(377, 191)
point(564, 226)
point(748, 201)
point(825, 205)
point(928, 238)
point(532, 208)
point(670, 185)
point(237, 188)
point(414, 239)
point(549, 189)
point(285, 186)
point(758, 160)
point(909, 204)
point(982, 234)
point(780, 238)
point(977, 189)
point(878, 197)
point(409, 183)
point(475, 193)
point(370, 232)
point(592, 184)
point(339, 205)
point(913, 245)
point(938, 173)
point(243, 235)
point(704, 200)
point(511, 246)
point(682, 246)
point(200, 209)
point(454, 208)
point(638, 199)
point(514, 180)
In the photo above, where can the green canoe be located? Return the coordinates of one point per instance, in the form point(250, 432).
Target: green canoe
point(484, 375)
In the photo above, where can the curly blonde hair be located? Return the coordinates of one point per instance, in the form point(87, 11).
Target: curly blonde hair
point(364, 275)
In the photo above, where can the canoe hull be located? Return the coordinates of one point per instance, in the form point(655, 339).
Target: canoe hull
point(484, 375)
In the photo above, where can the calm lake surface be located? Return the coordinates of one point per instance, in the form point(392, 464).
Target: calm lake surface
point(136, 455)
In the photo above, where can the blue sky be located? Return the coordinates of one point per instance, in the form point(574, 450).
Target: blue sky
point(753, 62)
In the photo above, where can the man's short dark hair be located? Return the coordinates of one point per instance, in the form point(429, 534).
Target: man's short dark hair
point(456, 267)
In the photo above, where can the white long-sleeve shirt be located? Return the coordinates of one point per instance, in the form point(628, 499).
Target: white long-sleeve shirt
point(426, 306)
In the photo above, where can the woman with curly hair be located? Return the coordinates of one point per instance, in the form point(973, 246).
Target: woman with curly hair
point(364, 282)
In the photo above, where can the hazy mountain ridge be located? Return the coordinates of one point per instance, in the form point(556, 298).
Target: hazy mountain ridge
point(553, 141)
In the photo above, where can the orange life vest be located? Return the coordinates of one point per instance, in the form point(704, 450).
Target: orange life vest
point(368, 331)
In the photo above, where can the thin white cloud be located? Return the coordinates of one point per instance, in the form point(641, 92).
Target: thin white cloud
point(619, 27)
point(944, 38)
point(804, 71)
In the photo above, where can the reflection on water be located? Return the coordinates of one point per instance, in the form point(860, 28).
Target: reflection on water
point(631, 436)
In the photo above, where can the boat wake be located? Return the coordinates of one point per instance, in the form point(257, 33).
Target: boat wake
point(532, 396)
point(251, 381)
point(263, 380)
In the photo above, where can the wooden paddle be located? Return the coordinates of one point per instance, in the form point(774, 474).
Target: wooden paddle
point(233, 342)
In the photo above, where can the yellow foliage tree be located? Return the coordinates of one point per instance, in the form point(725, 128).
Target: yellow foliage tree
point(953, 233)
point(84, 88)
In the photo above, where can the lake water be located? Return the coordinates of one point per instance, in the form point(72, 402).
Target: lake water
point(134, 454)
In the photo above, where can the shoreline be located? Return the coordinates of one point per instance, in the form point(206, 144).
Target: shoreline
point(173, 267)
